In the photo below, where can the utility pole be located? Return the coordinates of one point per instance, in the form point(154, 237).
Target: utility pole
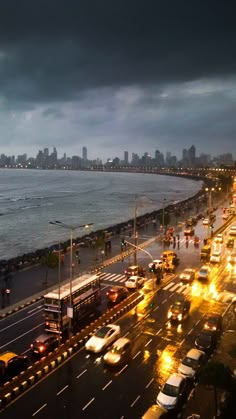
point(135, 230)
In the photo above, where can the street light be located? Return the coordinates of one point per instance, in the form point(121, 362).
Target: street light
point(71, 228)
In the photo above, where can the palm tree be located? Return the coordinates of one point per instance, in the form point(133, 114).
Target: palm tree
point(50, 261)
point(217, 375)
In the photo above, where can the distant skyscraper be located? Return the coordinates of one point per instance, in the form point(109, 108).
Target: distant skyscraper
point(46, 152)
point(192, 155)
point(84, 153)
point(126, 157)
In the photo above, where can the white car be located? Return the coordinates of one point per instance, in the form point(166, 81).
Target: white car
point(215, 257)
point(205, 221)
point(172, 391)
point(232, 231)
point(204, 272)
point(134, 282)
point(157, 262)
point(103, 337)
point(192, 363)
point(218, 238)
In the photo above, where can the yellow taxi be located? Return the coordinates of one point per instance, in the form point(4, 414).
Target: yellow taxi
point(11, 364)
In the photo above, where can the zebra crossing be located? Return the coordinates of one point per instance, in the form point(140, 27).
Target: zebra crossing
point(114, 278)
point(109, 277)
point(177, 287)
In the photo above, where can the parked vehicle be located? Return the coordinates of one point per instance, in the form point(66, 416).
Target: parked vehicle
point(206, 341)
point(213, 322)
point(173, 392)
point(192, 362)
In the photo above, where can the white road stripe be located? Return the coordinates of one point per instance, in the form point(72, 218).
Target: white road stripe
point(91, 401)
point(39, 410)
point(18, 337)
point(174, 287)
point(119, 278)
point(181, 288)
point(168, 286)
point(185, 291)
point(63, 389)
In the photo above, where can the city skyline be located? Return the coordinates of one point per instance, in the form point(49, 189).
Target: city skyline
point(117, 75)
point(47, 159)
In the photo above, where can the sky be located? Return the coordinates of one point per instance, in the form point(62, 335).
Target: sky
point(116, 75)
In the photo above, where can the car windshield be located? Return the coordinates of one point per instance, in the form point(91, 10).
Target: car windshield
point(131, 280)
point(176, 308)
point(116, 349)
point(170, 390)
point(204, 337)
point(102, 332)
point(189, 362)
point(204, 271)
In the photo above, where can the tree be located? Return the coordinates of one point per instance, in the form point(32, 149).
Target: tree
point(217, 375)
point(50, 261)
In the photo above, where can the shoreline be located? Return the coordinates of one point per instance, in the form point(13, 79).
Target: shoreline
point(29, 259)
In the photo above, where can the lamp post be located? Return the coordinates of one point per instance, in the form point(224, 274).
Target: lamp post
point(71, 228)
point(135, 229)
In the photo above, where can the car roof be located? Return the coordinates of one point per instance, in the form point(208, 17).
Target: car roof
point(6, 356)
point(205, 267)
point(194, 353)
point(213, 317)
point(42, 338)
point(134, 277)
point(175, 379)
point(189, 270)
point(121, 342)
point(134, 267)
point(116, 288)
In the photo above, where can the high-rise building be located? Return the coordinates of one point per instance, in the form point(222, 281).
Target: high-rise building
point(192, 156)
point(126, 157)
point(84, 153)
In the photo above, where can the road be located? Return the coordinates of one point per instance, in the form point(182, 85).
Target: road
point(83, 386)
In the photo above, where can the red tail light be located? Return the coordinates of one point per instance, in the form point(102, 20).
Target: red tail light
point(41, 348)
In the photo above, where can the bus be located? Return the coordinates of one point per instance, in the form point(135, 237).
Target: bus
point(86, 296)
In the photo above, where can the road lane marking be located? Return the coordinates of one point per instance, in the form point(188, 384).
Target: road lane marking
point(83, 372)
point(41, 408)
point(164, 301)
point(18, 337)
point(63, 389)
point(147, 343)
point(19, 321)
point(157, 333)
point(34, 309)
point(156, 308)
point(174, 287)
point(190, 331)
point(118, 373)
point(135, 356)
point(181, 343)
point(181, 289)
point(104, 388)
point(168, 286)
point(135, 401)
point(150, 382)
point(91, 401)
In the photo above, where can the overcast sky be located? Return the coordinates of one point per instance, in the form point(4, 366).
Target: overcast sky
point(115, 75)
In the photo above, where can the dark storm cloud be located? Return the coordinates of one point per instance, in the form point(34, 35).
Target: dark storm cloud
point(53, 49)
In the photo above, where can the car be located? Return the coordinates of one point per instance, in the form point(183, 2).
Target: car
point(116, 294)
point(44, 344)
point(157, 262)
point(205, 221)
point(134, 282)
point(157, 412)
point(204, 273)
point(232, 231)
point(232, 258)
point(11, 365)
point(119, 353)
point(225, 216)
point(205, 253)
point(213, 322)
point(192, 362)
point(103, 337)
point(173, 391)
point(134, 270)
point(215, 257)
point(189, 231)
point(218, 238)
point(230, 243)
point(187, 276)
point(179, 310)
point(206, 341)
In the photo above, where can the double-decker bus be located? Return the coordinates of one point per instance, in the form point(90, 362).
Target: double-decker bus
point(86, 295)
